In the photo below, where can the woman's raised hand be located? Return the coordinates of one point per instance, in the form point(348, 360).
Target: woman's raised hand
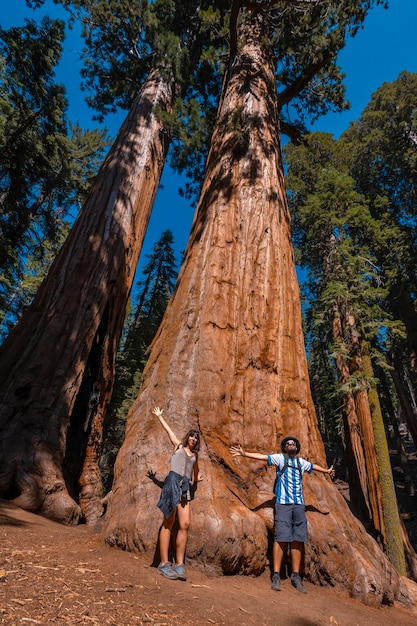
point(157, 411)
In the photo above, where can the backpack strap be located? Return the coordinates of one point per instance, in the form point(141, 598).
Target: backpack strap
point(287, 464)
point(284, 467)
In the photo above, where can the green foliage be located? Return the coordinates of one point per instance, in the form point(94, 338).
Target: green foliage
point(31, 114)
point(182, 41)
point(306, 38)
point(155, 289)
point(190, 129)
point(46, 165)
point(19, 294)
point(386, 146)
point(187, 43)
point(381, 152)
point(327, 393)
point(125, 40)
point(333, 228)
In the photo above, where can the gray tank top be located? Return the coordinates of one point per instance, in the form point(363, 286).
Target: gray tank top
point(182, 463)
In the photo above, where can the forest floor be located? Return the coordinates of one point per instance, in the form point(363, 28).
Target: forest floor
point(54, 574)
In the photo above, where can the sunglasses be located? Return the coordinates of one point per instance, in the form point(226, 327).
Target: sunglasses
point(291, 443)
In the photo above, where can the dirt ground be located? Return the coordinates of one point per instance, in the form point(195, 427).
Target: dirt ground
point(52, 574)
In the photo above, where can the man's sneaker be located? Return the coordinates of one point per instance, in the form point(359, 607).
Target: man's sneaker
point(298, 583)
point(167, 571)
point(180, 571)
point(276, 582)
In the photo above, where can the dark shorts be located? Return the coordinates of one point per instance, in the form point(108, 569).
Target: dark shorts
point(290, 523)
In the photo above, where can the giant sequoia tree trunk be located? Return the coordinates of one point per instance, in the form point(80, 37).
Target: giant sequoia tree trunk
point(364, 487)
point(229, 358)
point(366, 430)
point(367, 449)
point(359, 485)
point(56, 367)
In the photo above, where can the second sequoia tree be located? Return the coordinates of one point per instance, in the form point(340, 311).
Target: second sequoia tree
point(229, 359)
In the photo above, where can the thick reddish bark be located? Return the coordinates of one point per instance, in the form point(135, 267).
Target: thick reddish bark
point(358, 480)
point(229, 358)
point(56, 368)
point(364, 425)
point(363, 411)
point(367, 436)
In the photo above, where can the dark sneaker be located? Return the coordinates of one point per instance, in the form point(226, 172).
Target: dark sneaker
point(167, 571)
point(298, 583)
point(180, 571)
point(276, 582)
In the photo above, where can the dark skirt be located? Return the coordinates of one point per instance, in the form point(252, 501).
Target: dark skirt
point(175, 488)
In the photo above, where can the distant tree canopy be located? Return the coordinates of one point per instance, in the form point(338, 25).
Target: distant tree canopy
point(124, 40)
point(184, 41)
point(47, 164)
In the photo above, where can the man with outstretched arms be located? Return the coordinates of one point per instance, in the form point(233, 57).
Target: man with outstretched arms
point(290, 517)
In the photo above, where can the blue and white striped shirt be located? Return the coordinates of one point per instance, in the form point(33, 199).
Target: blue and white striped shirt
point(289, 488)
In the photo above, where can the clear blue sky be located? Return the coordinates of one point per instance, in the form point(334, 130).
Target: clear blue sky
point(380, 51)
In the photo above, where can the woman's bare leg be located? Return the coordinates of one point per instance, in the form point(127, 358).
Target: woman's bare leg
point(165, 537)
point(184, 516)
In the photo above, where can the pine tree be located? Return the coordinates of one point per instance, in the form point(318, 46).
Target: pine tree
point(19, 295)
point(46, 164)
point(383, 141)
point(154, 291)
